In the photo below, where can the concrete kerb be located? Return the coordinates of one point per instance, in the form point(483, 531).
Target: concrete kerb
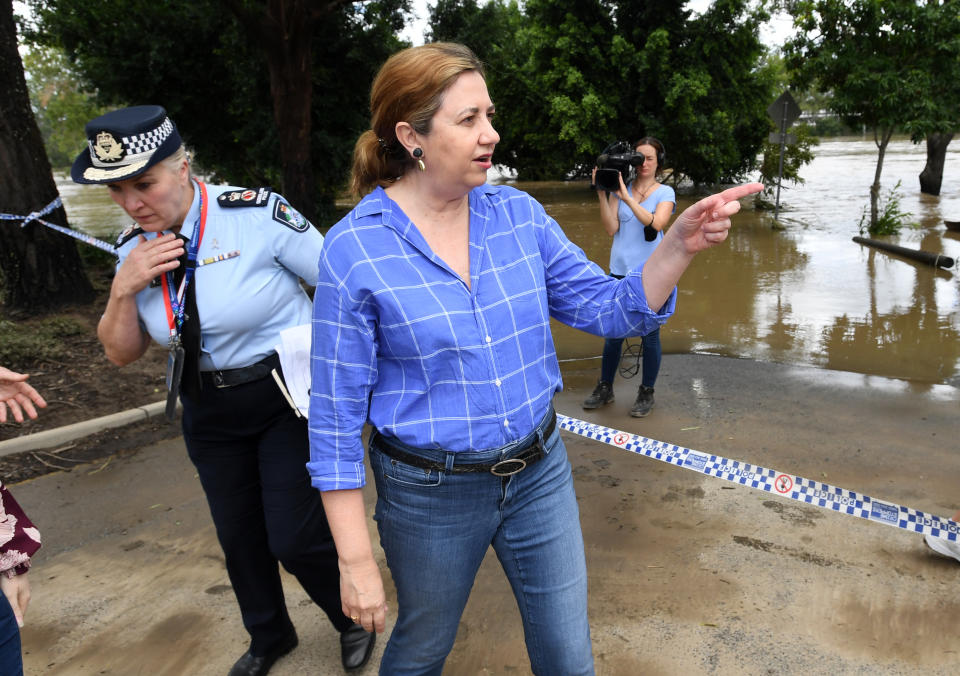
point(68, 433)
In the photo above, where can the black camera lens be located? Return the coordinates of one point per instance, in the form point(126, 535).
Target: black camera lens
point(608, 179)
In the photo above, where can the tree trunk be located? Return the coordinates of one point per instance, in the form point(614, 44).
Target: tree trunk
point(932, 175)
point(40, 268)
point(289, 60)
point(881, 138)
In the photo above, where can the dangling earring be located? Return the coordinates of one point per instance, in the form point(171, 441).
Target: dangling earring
point(418, 153)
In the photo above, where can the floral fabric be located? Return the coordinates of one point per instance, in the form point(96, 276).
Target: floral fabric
point(19, 539)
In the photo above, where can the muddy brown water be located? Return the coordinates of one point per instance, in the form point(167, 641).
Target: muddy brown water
point(803, 294)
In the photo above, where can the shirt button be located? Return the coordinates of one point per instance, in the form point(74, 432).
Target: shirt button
point(497, 382)
point(488, 339)
point(506, 423)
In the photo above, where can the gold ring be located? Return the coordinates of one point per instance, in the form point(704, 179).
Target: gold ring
point(354, 618)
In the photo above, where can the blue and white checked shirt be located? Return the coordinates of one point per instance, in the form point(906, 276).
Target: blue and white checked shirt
point(400, 341)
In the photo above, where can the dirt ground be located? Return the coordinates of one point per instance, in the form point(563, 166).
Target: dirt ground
point(688, 574)
point(81, 386)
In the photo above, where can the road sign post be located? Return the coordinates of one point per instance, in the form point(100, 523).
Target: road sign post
point(784, 112)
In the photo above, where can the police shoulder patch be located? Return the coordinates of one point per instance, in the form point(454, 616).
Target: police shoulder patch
point(290, 217)
point(128, 233)
point(245, 198)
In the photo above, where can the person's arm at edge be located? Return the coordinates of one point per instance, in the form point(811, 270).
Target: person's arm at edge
point(18, 396)
point(17, 552)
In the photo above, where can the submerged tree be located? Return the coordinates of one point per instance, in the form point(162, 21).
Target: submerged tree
point(878, 58)
point(932, 175)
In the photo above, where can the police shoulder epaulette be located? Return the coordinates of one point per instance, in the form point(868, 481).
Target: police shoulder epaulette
point(245, 198)
point(128, 233)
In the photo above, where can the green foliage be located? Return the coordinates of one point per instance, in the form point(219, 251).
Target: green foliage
point(192, 57)
point(795, 155)
point(891, 217)
point(60, 103)
point(570, 76)
point(46, 340)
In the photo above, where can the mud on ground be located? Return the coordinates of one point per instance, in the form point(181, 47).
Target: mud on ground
point(80, 384)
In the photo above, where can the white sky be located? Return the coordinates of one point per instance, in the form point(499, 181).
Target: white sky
point(773, 34)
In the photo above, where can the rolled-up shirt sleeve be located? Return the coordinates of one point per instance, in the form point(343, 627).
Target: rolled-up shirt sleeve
point(343, 371)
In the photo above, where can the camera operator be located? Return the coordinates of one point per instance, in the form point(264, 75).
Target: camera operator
point(634, 216)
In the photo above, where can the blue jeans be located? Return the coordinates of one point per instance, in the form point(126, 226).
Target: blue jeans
point(435, 528)
point(652, 353)
point(11, 659)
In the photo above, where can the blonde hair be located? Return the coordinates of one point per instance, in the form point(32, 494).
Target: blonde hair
point(174, 160)
point(408, 88)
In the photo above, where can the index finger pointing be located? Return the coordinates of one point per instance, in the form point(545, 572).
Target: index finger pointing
point(740, 191)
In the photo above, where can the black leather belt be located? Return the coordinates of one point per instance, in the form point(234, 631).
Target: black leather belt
point(522, 457)
point(247, 374)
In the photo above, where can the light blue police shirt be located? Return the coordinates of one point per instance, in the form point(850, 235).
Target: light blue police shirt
point(245, 301)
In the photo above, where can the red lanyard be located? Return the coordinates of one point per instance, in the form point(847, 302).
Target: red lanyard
point(174, 304)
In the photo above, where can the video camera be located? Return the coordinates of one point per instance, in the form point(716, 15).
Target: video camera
point(618, 158)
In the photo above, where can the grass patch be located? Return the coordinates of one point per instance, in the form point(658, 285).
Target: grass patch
point(890, 217)
point(33, 341)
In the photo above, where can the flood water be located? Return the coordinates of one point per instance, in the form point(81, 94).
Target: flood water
point(802, 294)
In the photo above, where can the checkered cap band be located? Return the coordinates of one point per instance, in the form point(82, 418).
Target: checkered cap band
point(138, 148)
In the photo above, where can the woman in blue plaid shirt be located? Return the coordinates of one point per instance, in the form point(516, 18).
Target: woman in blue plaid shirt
point(431, 322)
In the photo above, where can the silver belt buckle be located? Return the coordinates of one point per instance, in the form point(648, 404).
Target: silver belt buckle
point(496, 470)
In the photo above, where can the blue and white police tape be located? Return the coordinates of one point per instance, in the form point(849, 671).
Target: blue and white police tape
point(772, 481)
point(55, 204)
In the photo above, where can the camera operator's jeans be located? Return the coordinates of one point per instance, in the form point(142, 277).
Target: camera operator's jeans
point(652, 353)
point(435, 528)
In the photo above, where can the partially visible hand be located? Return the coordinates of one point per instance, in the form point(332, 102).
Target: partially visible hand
point(362, 595)
point(707, 222)
point(17, 591)
point(16, 395)
point(147, 261)
point(622, 190)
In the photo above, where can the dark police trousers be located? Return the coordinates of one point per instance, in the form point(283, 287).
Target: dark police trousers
point(250, 451)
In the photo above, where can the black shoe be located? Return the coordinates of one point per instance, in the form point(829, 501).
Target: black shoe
point(643, 404)
point(252, 665)
point(356, 644)
point(602, 394)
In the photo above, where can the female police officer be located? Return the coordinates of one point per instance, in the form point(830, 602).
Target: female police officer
point(213, 273)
